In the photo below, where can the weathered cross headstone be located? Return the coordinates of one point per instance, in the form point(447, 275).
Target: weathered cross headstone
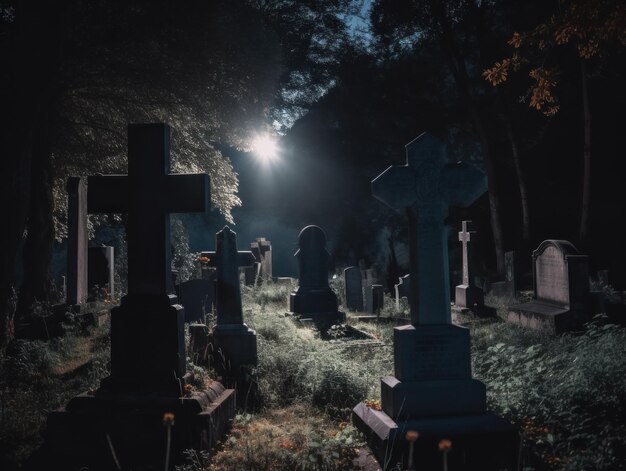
point(467, 294)
point(262, 250)
point(402, 289)
point(235, 343)
point(561, 285)
point(314, 299)
point(101, 269)
point(432, 391)
point(353, 289)
point(148, 372)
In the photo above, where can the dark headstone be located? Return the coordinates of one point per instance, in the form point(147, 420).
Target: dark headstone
point(314, 299)
point(101, 269)
point(561, 285)
point(196, 297)
point(353, 289)
point(432, 391)
point(147, 338)
point(467, 294)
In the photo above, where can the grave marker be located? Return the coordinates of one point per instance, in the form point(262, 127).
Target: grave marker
point(432, 390)
point(467, 294)
point(147, 339)
point(353, 289)
point(314, 299)
point(101, 269)
point(561, 285)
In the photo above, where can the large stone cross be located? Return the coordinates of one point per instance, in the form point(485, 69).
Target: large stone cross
point(424, 188)
point(227, 260)
point(149, 193)
point(147, 336)
point(464, 238)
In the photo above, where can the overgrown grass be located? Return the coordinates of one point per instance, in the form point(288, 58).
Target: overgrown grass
point(37, 377)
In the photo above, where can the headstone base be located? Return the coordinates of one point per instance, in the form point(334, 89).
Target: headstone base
point(305, 302)
point(432, 398)
point(468, 296)
point(482, 441)
point(545, 317)
point(321, 321)
point(95, 430)
point(234, 357)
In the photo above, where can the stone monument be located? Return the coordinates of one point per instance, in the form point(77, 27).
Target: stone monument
point(432, 391)
point(561, 285)
point(467, 294)
point(148, 373)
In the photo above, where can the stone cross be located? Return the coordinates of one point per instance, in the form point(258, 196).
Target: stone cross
point(147, 337)
point(464, 238)
point(262, 250)
point(227, 260)
point(149, 193)
point(424, 188)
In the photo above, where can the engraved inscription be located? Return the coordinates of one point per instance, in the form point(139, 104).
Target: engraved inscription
point(551, 273)
point(441, 356)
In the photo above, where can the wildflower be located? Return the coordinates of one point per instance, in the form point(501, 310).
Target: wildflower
point(168, 419)
point(412, 435)
point(373, 404)
point(187, 390)
point(445, 445)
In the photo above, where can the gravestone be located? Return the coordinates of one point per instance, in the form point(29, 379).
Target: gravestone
point(432, 391)
point(196, 296)
point(77, 238)
point(251, 274)
point(235, 343)
point(353, 289)
point(262, 250)
point(101, 270)
point(314, 299)
point(148, 372)
point(402, 289)
point(561, 286)
point(374, 298)
point(467, 294)
point(509, 287)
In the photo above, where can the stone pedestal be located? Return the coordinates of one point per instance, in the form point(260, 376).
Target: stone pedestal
point(234, 358)
point(91, 428)
point(434, 394)
point(468, 296)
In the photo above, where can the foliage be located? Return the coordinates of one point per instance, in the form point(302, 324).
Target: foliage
point(292, 438)
point(591, 26)
point(566, 393)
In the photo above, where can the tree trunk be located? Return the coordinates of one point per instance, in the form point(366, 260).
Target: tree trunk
point(521, 182)
point(586, 196)
point(456, 62)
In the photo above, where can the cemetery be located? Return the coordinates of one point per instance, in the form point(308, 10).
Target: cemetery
point(360, 235)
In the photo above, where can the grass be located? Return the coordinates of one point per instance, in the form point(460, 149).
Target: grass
point(566, 393)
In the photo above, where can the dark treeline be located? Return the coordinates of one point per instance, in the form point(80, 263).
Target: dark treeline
point(539, 111)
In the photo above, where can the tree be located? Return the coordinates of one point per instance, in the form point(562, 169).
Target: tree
point(591, 27)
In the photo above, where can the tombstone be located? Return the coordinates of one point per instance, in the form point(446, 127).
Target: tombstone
point(235, 344)
point(262, 250)
point(467, 294)
point(374, 298)
point(433, 391)
point(251, 274)
point(353, 289)
point(402, 289)
point(101, 269)
point(77, 237)
point(196, 296)
point(561, 286)
point(148, 372)
point(314, 299)
point(509, 287)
